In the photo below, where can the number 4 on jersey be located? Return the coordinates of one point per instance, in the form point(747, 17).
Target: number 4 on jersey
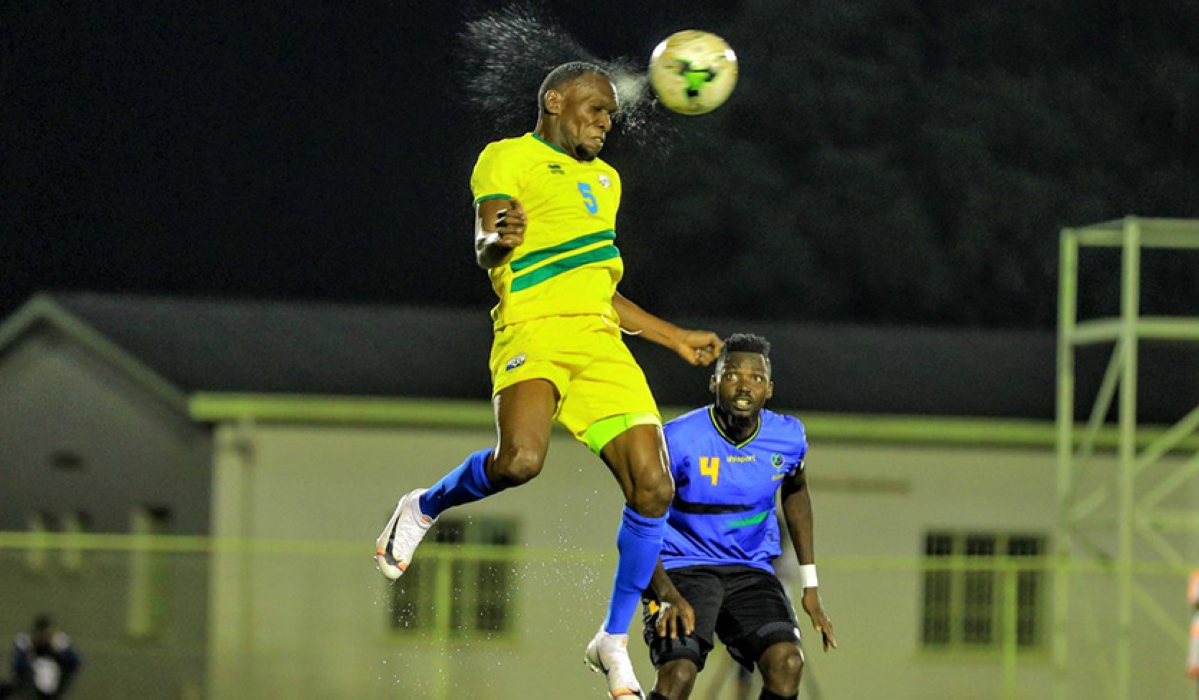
point(710, 467)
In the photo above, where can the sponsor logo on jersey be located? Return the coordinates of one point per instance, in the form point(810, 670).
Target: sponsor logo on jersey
point(556, 169)
point(745, 458)
point(515, 362)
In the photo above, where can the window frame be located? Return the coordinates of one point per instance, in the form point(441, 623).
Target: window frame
point(481, 589)
point(963, 606)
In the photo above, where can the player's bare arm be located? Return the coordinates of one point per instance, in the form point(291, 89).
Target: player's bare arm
point(797, 512)
point(499, 228)
point(675, 615)
point(699, 348)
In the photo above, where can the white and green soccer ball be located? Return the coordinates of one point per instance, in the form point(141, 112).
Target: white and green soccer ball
point(693, 71)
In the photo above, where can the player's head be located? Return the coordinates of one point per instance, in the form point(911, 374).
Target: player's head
point(741, 380)
point(577, 103)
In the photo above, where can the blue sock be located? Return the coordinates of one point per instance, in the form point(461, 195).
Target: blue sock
point(466, 484)
point(639, 542)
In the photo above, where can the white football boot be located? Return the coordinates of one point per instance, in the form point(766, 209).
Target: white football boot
point(405, 530)
point(609, 654)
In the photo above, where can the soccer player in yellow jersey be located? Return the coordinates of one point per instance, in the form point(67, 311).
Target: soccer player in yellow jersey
point(545, 220)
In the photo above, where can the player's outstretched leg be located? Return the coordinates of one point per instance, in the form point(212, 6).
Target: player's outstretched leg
point(637, 458)
point(638, 541)
point(417, 510)
point(523, 415)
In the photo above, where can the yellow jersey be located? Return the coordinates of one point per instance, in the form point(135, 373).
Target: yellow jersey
point(568, 264)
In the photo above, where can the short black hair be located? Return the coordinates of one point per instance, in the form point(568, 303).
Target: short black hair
point(745, 342)
point(565, 73)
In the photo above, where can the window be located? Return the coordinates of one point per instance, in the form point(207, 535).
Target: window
point(479, 586)
point(43, 527)
point(964, 590)
point(148, 573)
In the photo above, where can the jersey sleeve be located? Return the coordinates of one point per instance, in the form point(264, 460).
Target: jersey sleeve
point(494, 176)
point(800, 441)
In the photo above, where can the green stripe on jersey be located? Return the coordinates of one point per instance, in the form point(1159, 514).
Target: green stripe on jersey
point(486, 197)
point(751, 520)
point(557, 267)
point(526, 261)
point(560, 150)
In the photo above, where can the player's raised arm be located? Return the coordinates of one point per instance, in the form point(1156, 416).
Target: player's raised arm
point(797, 511)
point(499, 228)
point(696, 347)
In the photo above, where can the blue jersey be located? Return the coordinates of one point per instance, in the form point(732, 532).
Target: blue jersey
point(723, 508)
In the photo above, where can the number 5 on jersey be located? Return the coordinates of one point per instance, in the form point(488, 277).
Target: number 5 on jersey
point(710, 467)
point(588, 198)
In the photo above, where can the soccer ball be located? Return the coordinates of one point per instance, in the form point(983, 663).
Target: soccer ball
point(693, 72)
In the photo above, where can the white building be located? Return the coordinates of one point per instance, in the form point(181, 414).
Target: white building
point(270, 442)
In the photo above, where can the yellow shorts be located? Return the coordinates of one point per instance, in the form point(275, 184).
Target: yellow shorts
point(584, 357)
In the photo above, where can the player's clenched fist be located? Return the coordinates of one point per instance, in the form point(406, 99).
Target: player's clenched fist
point(510, 225)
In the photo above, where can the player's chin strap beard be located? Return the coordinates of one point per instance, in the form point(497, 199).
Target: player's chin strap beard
point(736, 425)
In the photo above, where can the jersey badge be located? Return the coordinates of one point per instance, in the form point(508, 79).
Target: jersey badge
point(605, 181)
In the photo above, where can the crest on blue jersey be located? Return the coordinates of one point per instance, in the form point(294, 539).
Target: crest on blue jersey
point(776, 461)
point(516, 362)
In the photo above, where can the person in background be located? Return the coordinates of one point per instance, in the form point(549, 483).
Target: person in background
point(1193, 654)
point(44, 663)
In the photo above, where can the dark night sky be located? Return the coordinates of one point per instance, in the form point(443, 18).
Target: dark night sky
point(903, 161)
point(293, 149)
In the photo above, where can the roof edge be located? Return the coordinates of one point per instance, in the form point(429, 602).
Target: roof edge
point(212, 407)
point(43, 308)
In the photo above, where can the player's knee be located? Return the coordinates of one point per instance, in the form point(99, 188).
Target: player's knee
point(677, 675)
point(517, 465)
point(782, 665)
point(651, 496)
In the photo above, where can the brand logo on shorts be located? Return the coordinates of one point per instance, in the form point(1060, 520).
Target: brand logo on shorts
point(516, 362)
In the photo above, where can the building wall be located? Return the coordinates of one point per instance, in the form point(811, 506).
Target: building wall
point(78, 438)
point(296, 619)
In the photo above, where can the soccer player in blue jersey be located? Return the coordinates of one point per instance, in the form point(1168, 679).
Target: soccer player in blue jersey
point(731, 461)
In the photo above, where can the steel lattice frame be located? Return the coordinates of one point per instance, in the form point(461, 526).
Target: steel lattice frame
point(1136, 513)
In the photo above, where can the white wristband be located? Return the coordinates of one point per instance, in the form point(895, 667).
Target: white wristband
point(807, 575)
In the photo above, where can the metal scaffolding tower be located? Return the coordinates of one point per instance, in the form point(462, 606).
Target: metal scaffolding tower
point(1139, 512)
